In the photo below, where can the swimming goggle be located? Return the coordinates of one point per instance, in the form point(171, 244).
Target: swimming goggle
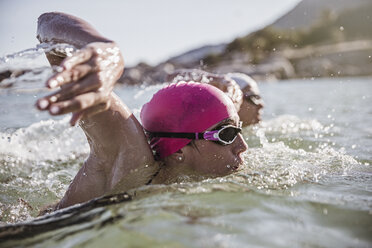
point(253, 98)
point(224, 135)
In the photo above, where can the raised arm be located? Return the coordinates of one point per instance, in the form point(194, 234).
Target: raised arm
point(56, 27)
point(120, 158)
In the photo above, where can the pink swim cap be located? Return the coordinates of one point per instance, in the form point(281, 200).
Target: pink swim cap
point(183, 107)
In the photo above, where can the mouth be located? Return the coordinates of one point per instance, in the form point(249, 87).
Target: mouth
point(238, 162)
point(259, 113)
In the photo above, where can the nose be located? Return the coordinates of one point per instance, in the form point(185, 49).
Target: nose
point(260, 104)
point(239, 145)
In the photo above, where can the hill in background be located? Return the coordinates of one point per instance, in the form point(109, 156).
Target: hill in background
point(318, 38)
point(304, 14)
point(336, 43)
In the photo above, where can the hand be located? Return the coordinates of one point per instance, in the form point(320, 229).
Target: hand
point(86, 80)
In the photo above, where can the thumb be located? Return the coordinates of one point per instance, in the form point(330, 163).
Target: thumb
point(76, 117)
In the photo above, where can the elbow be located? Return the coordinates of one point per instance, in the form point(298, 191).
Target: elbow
point(45, 24)
point(42, 25)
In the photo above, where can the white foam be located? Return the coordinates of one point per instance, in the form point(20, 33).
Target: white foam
point(45, 140)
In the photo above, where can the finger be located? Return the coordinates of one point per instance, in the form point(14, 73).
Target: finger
point(42, 104)
point(88, 112)
point(78, 103)
point(76, 117)
point(68, 76)
point(89, 83)
point(77, 58)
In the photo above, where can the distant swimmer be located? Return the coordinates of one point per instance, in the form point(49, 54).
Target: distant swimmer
point(188, 129)
point(241, 88)
point(250, 110)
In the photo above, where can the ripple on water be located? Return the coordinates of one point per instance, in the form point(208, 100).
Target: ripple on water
point(37, 164)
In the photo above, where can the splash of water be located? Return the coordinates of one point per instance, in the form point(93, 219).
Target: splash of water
point(29, 67)
point(26, 58)
point(46, 140)
point(47, 155)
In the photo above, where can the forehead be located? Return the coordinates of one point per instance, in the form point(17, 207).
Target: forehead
point(251, 89)
point(233, 120)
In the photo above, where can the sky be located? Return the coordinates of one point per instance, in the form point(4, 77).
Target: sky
point(148, 31)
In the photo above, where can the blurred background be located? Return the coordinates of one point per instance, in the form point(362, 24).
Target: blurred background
point(147, 31)
point(269, 40)
point(307, 174)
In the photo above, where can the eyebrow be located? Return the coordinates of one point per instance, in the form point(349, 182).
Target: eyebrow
point(224, 122)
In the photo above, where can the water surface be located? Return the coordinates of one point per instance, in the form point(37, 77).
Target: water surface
point(306, 181)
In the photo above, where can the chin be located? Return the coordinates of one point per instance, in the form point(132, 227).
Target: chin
point(238, 163)
point(257, 119)
point(254, 121)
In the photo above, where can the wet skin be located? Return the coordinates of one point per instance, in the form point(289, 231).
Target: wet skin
point(204, 158)
point(250, 112)
point(120, 157)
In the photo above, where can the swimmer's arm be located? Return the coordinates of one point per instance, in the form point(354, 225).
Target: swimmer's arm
point(88, 76)
point(56, 27)
point(120, 157)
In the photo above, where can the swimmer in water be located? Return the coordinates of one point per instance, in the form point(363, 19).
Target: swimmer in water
point(241, 88)
point(189, 129)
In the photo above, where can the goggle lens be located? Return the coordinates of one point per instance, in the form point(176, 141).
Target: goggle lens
point(229, 134)
point(224, 135)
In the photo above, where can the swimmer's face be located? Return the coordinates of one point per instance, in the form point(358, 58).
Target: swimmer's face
point(209, 158)
point(250, 110)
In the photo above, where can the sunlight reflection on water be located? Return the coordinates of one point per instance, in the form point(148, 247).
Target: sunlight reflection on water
point(308, 168)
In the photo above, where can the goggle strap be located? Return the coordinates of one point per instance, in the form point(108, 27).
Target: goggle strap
point(175, 135)
point(208, 135)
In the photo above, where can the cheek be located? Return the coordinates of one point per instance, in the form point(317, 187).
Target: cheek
point(213, 159)
point(219, 164)
point(250, 111)
point(224, 165)
point(210, 163)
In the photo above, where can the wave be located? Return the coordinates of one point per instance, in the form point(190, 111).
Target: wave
point(45, 140)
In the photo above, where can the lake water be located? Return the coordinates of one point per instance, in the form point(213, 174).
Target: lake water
point(306, 182)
